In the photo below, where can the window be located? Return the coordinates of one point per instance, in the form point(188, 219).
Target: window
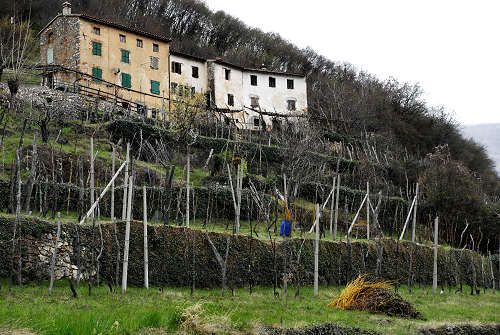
point(50, 38)
point(254, 102)
point(156, 48)
point(289, 84)
point(154, 62)
point(180, 91)
point(155, 87)
point(139, 43)
point(227, 74)
point(193, 91)
point(123, 38)
point(96, 74)
point(173, 88)
point(291, 105)
point(154, 113)
point(50, 56)
point(230, 100)
point(176, 67)
point(125, 56)
point(97, 31)
point(96, 48)
point(272, 82)
point(256, 122)
point(195, 72)
point(253, 80)
point(141, 108)
point(126, 80)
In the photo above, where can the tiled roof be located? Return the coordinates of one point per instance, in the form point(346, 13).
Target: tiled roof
point(112, 24)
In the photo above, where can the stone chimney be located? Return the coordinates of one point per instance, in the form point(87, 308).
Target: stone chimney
point(66, 8)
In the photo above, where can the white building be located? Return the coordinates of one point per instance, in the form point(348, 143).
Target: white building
point(187, 73)
point(248, 96)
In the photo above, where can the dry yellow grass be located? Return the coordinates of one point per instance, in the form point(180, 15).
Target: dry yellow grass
point(356, 290)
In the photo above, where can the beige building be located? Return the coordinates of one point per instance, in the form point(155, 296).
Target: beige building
point(100, 57)
point(136, 69)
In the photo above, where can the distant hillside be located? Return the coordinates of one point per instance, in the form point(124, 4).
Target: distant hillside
point(489, 136)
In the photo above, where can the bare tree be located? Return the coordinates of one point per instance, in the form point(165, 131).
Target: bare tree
point(222, 261)
point(17, 47)
point(184, 120)
point(54, 253)
point(32, 176)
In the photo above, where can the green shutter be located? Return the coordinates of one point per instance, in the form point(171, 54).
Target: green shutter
point(96, 74)
point(126, 80)
point(155, 87)
point(96, 48)
point(125, 56)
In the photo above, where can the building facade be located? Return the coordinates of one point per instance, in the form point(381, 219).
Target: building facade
point(137, 69)
point(106, 59)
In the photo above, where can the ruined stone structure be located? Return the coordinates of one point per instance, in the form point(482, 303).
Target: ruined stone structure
point(136, 69)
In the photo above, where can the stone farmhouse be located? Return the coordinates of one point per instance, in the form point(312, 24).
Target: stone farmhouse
point(137, 70)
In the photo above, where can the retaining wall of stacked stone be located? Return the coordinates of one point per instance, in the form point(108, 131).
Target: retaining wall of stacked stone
point(172, 250)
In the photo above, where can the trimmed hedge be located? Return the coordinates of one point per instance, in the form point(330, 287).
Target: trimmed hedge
point(172, 251)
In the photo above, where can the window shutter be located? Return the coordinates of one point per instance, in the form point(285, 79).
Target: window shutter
point(125, 56)
point(155, 87)
point(126, 80)
point(97, 74)
point(96, 48)
point(154, 62)
point(50, 56)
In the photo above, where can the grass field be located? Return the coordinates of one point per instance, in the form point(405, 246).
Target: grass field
point(141, 311)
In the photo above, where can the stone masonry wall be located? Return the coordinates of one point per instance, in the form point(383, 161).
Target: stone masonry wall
point(176, 254)
point(65, 41)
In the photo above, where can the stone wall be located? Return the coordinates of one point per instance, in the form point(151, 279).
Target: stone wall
point(63, 37)
point(176, 254)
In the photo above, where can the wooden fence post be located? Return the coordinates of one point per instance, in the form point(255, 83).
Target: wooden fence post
point(414, 216)
point(435, 269)
point(336, 209)
point(368, 211)
point(125, 184)
point(127, 236)
point(54, 253)
point(145, 215)
point(316, 252)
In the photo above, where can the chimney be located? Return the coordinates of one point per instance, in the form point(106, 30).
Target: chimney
point(66, 8)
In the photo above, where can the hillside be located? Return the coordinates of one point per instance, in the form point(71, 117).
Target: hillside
point(487, 135)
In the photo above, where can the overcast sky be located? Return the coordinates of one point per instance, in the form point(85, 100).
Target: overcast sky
point(450, 47)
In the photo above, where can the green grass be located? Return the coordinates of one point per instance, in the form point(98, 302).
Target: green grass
point(32, 307)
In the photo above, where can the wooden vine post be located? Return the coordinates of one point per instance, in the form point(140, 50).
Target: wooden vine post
point(127, 237)
point(414, 216)
point(113, 183)
point(336, 209)
point(54, 253)
point(316, 252)
point(125, 184)
point(188, 174)
point(331, 206)
point(368, 210)
point(145, 214)
point(435, 269)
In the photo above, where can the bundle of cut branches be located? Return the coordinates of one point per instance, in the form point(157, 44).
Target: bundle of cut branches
point(374, 297)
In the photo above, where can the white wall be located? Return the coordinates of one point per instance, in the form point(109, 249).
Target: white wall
point(224, 87)
point(186, 78)
point(273, 99)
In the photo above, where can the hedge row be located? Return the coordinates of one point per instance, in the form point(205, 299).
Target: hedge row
point(175, 254)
